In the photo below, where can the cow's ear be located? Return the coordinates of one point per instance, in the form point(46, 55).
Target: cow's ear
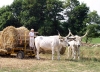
point(60, 37)
point(67, 37)
point(61, 40)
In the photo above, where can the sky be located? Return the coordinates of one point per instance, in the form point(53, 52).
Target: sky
point(5, 2)
point(92, 4)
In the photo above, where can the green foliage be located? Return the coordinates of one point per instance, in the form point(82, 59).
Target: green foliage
point(76, 13)
point(45, 15)
point(93, 30)
point(95, 40)
point(93, 17)
point(47, 29)
point(7, 18)
point(92, 40)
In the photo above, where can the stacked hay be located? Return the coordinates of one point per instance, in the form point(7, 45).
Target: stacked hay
point(9, 37)
point(62, 51)
point(0, 32)
point(0, 40)
point(23, 33)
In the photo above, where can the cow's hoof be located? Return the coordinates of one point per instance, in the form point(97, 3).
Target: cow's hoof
point(38, 59)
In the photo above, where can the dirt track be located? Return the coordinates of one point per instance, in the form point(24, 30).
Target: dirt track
point(13, 62)
point(16, 63)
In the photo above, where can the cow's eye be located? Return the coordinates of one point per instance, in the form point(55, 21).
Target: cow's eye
point(61, 40)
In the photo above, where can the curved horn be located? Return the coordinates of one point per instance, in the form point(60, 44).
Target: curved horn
point(59, 34)
point(85, 34)
point(69, 33)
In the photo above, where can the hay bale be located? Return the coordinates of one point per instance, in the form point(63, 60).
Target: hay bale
point(22, 32)
point(0, 40)
point(0, 32)
point(62, 51)
point(1, 43)
point(9, 37)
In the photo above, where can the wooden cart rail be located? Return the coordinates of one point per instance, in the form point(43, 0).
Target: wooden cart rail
point(22, 51)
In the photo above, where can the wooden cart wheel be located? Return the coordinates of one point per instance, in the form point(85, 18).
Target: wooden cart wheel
point(20, 55)
point(8, 54)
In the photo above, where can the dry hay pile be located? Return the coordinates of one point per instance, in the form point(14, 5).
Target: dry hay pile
point(1, 50)
point(12, 37)
point(0, 39)
point(0, 32)
point(62, 51)
point(23, 33)
point(9, 37)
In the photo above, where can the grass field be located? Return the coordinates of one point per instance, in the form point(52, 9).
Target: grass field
point(94, 40)
point(89, 62)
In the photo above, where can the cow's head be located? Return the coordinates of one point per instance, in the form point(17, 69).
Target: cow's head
point(63, 41)
point(77, 38)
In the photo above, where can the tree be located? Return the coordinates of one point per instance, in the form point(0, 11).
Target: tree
point(76, 14)
point(39, 14)
point(7, 18)
point(93, 24)
point(54, 7)
point(93, 18)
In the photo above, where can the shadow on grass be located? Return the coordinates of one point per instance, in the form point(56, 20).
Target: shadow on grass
point(90, 59)
point(7, 56)
point(85, 59)
point(71, 60)
point(82, 59)
point(15, 56)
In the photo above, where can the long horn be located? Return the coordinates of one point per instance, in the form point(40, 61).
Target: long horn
point(59, 34)
point(85, 34)
point(69, 33)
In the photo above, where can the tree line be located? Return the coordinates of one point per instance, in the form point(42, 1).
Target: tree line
point(48, 16)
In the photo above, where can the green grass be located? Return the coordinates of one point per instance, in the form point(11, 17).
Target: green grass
point(89, 62)
point(94, 40)
point(59, 66)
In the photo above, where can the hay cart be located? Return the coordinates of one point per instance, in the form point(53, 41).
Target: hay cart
point(20, 51)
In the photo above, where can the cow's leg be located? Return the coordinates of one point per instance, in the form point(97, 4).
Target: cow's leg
point(68, 52)
point(78, 51)
point(73, 53)
point(52, 53)
point(58, 53)
point(38, 53)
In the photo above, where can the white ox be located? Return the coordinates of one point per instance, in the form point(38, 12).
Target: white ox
point(53, 43)
point(74, 45)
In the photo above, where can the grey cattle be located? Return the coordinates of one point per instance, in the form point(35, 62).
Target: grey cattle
point(74, 45)
point(53, 43)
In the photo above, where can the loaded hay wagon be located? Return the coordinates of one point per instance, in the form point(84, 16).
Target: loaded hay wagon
point(15, 41)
